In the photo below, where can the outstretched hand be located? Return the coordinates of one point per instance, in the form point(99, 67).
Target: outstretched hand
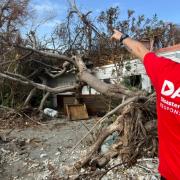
point(116, 36)
point(133, 46)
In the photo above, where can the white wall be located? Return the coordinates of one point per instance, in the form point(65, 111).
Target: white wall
point(175, 56)
point(135, 68)
point(86, 90)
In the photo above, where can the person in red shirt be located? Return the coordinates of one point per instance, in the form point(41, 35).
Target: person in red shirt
point(165, 77)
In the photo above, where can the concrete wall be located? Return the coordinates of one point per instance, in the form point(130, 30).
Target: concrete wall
point(64, 80)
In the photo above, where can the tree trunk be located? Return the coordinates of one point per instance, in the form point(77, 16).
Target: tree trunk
point(112, 90)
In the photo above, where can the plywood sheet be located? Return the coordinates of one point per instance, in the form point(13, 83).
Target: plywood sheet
point(76, 111)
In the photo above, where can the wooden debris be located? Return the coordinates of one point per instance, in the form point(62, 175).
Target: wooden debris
point(76, 111)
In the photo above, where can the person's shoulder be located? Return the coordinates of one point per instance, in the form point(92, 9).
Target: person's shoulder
point(152, 57)
point(149, 57)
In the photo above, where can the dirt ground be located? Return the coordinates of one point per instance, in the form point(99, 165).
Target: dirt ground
point(41, 152)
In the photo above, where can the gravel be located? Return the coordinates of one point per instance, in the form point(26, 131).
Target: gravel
point(43, 152)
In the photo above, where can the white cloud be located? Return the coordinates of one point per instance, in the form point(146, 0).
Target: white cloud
point(48, 13)
point(42, 7)
point(48, 6)
point(52, 23)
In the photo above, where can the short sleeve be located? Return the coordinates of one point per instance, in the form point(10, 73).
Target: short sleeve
point(156, 66)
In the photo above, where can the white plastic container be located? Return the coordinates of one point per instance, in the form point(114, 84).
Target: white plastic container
point(51, 112)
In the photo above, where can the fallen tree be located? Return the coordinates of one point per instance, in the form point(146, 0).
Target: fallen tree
point(83, 75)
point(134, 119)
point(137, 137)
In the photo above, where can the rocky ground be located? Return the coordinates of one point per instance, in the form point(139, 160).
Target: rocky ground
point(41, 152)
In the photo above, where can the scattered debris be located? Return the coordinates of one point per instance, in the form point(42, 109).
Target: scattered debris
point(40, 153)
point(76, 111)
point(108, 142)
point(51, 112)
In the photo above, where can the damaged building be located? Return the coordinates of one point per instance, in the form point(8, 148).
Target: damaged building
point(132, 73)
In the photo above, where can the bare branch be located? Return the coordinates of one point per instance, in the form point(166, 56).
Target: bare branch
point(83, 17)
point(32, 92)
point(25, 81)
point(16, 60)
point(59, 73)
point(43, 100)
point(47, 65)
point(48, 54)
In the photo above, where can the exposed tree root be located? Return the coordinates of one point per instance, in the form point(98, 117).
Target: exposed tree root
point(116, 126)
point(136, 126)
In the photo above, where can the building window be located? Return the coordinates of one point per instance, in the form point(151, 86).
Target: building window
point(133, 81)
point(108, 81)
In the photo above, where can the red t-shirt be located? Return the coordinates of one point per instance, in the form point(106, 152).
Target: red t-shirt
point(165, 76)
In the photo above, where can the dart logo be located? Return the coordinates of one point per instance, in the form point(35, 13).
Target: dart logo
point(168, 89)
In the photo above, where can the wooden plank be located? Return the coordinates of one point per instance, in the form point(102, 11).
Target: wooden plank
point(76, 111)
point(68, 100)
point(67, 112)
point(95, 104)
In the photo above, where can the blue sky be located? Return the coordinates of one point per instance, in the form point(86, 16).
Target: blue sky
point(166, 10)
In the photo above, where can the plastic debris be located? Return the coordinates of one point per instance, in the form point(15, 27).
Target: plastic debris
point(51, 112)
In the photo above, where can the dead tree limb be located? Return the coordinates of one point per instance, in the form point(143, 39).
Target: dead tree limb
point(16, 60)
point(32, 92)
point(40, 86)
point(83, 17)
point(133, 125)
point(43, 101)
point(116, 126)
point(48, 54)
point(65, 65)
point(107, 89)
point(47, 65)
point(106, 116)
